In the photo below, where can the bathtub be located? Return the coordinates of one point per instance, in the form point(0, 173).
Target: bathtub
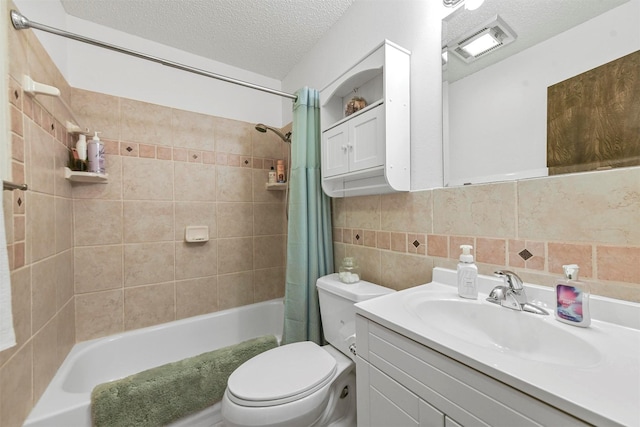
point(66, 401)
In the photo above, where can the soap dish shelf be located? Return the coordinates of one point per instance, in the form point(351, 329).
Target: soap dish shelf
point(78, 176)
point(276, 186)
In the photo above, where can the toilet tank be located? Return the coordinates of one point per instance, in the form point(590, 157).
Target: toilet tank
point(337, 309)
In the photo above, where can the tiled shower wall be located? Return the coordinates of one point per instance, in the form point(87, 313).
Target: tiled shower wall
point(531, 226)
point(89, 260)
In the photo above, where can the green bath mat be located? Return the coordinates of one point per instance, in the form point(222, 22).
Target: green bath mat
point(164, 394)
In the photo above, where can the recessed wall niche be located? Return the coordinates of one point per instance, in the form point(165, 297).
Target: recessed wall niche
point(593, 119)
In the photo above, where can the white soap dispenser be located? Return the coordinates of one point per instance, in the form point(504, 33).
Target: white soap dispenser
point(467, 274)
point(95, 155)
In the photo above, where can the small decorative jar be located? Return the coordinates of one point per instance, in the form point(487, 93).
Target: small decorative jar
point(349, 271)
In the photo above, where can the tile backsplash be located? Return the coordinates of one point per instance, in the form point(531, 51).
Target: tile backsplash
point(531, 226)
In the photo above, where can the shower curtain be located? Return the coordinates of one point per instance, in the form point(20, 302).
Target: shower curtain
point(309, 241)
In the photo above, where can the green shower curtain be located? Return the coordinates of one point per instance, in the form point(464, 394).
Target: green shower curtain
point(309, 241)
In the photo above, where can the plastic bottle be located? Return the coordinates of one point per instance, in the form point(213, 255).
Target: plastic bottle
point(467, 274)
point(81, 147)
point(281, 177)
point(272, 176)
point(572, 298)
point(95, 155)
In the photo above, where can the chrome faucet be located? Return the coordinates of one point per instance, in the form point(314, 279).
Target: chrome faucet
point(512, 294)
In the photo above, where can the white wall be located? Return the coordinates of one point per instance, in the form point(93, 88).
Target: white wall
point(97, 69)
point(412, 24)
point(498, 116)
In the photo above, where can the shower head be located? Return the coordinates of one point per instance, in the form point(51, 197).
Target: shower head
point(263, 128)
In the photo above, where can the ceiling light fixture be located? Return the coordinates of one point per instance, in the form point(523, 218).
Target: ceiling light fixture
point(485, 39)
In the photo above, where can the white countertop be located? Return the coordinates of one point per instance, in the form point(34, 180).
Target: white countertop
point(603, 391)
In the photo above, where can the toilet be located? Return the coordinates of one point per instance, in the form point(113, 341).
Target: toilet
point(303, 384)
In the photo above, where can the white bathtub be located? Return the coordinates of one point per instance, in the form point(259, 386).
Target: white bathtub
point(66, 401)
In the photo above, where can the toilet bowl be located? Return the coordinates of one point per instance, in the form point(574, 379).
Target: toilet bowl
point(303, 384)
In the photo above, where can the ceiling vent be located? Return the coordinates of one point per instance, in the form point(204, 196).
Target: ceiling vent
point(483, 40)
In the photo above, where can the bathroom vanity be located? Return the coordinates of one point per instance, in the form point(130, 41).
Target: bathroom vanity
point(429, 358)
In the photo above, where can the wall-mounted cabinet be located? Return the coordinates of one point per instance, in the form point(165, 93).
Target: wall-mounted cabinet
point(368, 151)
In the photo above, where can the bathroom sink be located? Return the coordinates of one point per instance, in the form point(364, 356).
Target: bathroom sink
point(525, 335)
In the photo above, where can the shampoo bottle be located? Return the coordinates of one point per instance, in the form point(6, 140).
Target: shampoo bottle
point(272, 176)
point(572, 297)
point(95, 155)
point(81, 147)
point(467, 274)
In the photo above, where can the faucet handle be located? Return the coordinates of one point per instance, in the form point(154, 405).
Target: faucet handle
point(511, 279)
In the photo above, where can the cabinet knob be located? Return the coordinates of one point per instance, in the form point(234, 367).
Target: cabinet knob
point(344, 148)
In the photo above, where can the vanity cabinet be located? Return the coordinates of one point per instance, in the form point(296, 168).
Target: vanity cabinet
point(403, 383)
point(368, 151)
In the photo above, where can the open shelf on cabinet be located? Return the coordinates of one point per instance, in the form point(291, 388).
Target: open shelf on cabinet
point(78, 176)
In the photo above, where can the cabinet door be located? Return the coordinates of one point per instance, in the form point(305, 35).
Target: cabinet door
point(366, 143)
point(334, 151)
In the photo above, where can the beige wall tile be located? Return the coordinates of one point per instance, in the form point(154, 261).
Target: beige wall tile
point(43, 292)
point(147, 179)
point(97, 268)
point(619, 263)
point(98, 112)
point(402, 271)
point(196, 260)
point(234, 184)
point(338, 212)
point(437, 245)
point(478, 210)
point(41, 231)
point(195, 182)
point(269, 218)
point(233, 136)
point(64, 278)
point(45, 360)
point(192, 130)
point(97, 222)
point(16, 388)
point(269, 283)
point(369, 238)
point(456, 241)
point(149, 263)
point(99, 314)
point(556, 208)
point(66, 331)
point(144, 122)
point(398, 242)
point(491, 251)
point(235, 219)
point(21, 298)
point(369, 260)
point(148, 305)
point(148, 222)
point(235, 254)
point(407, 212)
point(235, 289)
point(64, 224)
point(261, 194)
point(267, 144)
point(568, 253)
point(269, 251)
point(196, 296)
point(383, 239)
point(514, 249)
point(363, 212)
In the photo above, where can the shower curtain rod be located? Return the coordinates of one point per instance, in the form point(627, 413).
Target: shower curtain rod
point(20, 22)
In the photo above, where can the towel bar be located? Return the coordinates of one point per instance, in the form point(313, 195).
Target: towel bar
point(7, 185)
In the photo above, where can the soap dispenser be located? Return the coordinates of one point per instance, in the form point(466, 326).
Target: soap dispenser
point(95, 155)
point(467, 274)
point(572, 298)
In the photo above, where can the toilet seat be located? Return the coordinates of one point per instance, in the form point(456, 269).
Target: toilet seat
point(281, 375)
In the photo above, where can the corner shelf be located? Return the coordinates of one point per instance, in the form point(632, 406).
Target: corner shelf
point(91, 177)
point(277, 186)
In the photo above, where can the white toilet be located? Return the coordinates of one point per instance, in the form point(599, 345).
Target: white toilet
point(303, 384)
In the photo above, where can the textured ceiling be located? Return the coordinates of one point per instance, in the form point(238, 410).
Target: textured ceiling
point(532, 20)
point(267, 37)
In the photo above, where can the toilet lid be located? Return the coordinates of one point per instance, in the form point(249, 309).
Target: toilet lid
point(281, 375)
